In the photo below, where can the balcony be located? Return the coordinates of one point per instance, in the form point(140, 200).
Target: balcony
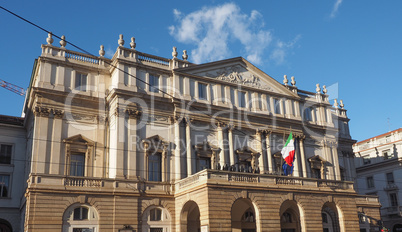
point(202, 178)
point(391, 187)
point(227, 178)
point(77, 183)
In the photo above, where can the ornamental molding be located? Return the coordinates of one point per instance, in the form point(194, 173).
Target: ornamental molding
point(234, 75)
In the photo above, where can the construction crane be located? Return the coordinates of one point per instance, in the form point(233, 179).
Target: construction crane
point(16, 89)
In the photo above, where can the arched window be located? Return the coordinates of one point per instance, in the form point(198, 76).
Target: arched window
point(156, 219)
point(248, 216)
point(80, 217)
point(155, 214)
point(80, 213)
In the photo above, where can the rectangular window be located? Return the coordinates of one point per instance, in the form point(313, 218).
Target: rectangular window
point(366, 160)
point(4, 185)
point(153, 83)
point(156, 230)
point(393, 197)
point(277, 106)
point(390, 178)
point(307, 114)
point(154, 167)
point(268, 103)
point(77, 164)
point(5, 153)
point(202, 91)
point(370, 182)
point(82, 230)
point(242, 99)
point(81, 82)
point(223, 94)
point(387, 154)
point(204, 163)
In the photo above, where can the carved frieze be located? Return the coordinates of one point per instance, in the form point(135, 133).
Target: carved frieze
point(233, 74)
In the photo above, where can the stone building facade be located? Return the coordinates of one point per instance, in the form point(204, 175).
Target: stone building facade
point(378, 169)
point(144, 143)
point(12, 174)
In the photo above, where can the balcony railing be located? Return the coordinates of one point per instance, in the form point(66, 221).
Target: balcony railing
point(222, 178)
point(83, 182)
point(81, 57)
point(152, 59)
point(250, 179)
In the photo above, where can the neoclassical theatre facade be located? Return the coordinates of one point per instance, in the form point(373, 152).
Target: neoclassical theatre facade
point(144, 143)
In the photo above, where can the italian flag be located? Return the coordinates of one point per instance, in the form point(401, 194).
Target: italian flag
point(288, 151)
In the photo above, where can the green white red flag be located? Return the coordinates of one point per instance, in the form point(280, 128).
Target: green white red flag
point(288, 151)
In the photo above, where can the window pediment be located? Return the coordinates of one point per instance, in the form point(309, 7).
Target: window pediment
point(206, 149)
point(246, 152)
point(79, 139)
point(155, 143)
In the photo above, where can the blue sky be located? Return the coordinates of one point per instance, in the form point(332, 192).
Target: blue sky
point(354, 46)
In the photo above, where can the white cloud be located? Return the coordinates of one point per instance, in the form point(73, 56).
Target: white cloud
point(213, 29)
point(281, 49)
point(109, 53)
point(335, 8)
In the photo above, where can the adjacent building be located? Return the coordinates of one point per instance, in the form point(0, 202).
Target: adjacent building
point(378, 168)
point(12, 173)
point(144, 143)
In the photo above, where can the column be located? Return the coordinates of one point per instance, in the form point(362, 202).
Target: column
point(231, 149)
point(222, 158)
point(188, 148)
point(163, 163)
point(177, 152)
point(335, 160)
point(117, 136)
point(56, 164)
point(132, 142)
point(261, 159)
point(269, 153)
point(303, 156)
point(40, 138)
point(296, 168)
point(348, 172)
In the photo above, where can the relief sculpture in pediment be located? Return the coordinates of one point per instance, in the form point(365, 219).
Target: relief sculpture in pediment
point(234, 75)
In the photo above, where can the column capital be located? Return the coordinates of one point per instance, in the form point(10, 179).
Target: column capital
point(41, 111)
point(267, 132)
point(300, 136)
point(220, 124)
point(188, 120)
point(231, 127)
point(58, 113)
point(134, 114)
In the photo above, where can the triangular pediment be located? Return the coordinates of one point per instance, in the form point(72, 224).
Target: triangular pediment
point(155, 139)
point(79, 139)
point(237, 71)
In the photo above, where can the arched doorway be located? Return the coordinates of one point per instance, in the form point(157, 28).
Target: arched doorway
point(330, 219)
point(190, 217)
point(243, 216)
point(290, 217)
point(5, 226)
